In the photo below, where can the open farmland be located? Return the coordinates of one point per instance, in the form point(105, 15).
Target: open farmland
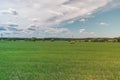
point(59, 60)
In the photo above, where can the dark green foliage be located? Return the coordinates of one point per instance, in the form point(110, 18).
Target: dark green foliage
point(65, 39)
point(33, 39)
point(52, 40)
point(118, 39)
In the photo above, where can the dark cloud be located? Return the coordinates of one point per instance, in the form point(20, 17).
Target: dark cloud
point(7, 33)
point(2, 28)
point(9, 11)
point(13, 25)
point(14, 29)
point(32, 26)
point(15, 33)
point(14, 12)
point(31, 29)
point(52, 18)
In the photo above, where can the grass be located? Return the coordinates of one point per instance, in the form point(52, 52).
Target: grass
point(59, 60)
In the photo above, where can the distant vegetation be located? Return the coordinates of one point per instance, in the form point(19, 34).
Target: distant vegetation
point(72, 40)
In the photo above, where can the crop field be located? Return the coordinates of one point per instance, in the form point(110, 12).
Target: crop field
point(59, 60)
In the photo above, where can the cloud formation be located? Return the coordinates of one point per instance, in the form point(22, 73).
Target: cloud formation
point(14, 29)
point(2, 28)
point(9, 11)
point(82, 30)
point(47, 13)
point(87, 33)
point(104, 24)
point(51, 12)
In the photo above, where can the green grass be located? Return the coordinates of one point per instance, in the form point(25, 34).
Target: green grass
point(45, 60)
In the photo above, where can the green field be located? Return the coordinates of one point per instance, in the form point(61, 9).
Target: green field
point(59, 60)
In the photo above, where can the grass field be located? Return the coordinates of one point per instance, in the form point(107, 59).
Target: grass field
point(59, 60)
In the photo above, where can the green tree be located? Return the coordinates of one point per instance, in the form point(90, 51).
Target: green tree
point(33, 39)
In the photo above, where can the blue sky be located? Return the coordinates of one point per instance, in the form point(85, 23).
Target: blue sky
point(64, 18)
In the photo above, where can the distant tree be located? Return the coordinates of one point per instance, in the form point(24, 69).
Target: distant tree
point(52, 40)
point(94, 40)
point(118, 39)
point(33, 39)
point(114, 40)
point(43, 39)
point(101, 40)
point(9, 39)
point(86, 40)
point(26, 39)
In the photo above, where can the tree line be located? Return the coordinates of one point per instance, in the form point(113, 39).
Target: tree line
point(117, 39)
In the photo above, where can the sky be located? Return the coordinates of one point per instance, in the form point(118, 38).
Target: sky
point(60, 18)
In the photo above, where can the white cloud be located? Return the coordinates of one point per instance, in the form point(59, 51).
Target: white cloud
point(92, 33)
point(70, 22)
point(112, 4)
point(47, 13)
point(51, 12)
point(82, 30)
point(35, 20)
point(9, 11)
point(55, 13)
point(85, 33)
point(11, 24)
point(56, 30)
point(104, 24)
point(82, 20)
